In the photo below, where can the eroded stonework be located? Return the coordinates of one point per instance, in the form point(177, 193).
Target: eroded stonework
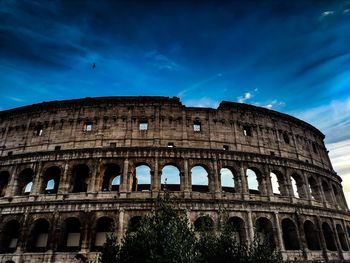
point(69, 170)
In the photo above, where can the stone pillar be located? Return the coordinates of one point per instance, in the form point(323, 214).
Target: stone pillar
point(215, 181)
point(124, 184)
point(306, 187)
point(94, 174)
point(243, 176)
point(250, 227)
point(120, 229)
point(322, 240)
point(85, 236)
point(278, 232)
point(37, 180)
point(337, 240)
point(187, 179)
point(13, 182)
point(267, 181)
point(63, 187)
point(156, 177)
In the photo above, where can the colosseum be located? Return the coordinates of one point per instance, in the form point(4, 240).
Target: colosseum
point(69, 170)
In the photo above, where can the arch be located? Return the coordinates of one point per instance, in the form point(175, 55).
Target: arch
point(4, 180)
point(327, 192)
point(80, 177)
point(328, 237)
point(275, 184)
point(134, 223)
point(71, 234)
point(104, 226)
point(111, 177)
point(297, 185)
point(338, 198)
point(237, 225)
point(51, 180)
point(253, 180)
point(290, 235)
point(264, 231)
point(227, 180)
point(141, 180)
point(314, 189)
point(199, 179)
point(170, 178)
point(9, 236)
point(38, 237)
point(25, 182)
point(342, 238)
point(203, 223)
point(311, 236)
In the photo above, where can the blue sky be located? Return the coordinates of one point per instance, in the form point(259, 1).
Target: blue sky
point(291, 56)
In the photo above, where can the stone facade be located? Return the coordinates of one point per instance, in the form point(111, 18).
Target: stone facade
point(71, 169)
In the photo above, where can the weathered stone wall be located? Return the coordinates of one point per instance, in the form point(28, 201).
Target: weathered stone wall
point(83, 145)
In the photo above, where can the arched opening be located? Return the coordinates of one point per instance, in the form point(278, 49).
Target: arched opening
point(72, 234)
point(314, 189)
point(342, 238)
point(9, 237)
point(311, 235)
point(253, 181)
point(134, 223)
point(327, 192)
point(199, 178)
point(290, 235)
point(337, 196)
point(170, 178)
point(275, 184)
point(111, 177)
point(237, 225)
point(297, 185)
point(51, 180)
point(328, 237)
point(25, 182)
point(4, 179)
point(80, 177)
point(104, 226)
point(141, 180)
point(264, 232)
point(227, 180)
point(203, 224)
point(38, 238)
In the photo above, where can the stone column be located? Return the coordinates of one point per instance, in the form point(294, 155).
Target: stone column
point(215, 182)
point(243, 176)
point(155, 178)
point(187, 180)
point(337, 240)
point(306, 187)
point(120, 229)
point(268, 185)
point(85, 236)
point(250, 227)
point(124, 184)
point(63, 187)
point(322, 240)
point(94, 174)
point(279, 232)
point(37, 180)
point(13, 182)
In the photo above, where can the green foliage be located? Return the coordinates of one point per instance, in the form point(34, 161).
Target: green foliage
point(110, 250)
point(162, 237)
point(166, 237)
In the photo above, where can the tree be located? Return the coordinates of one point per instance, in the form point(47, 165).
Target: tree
point(163, 237)
point(110, 250)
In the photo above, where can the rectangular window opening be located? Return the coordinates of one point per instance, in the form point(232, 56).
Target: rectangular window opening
point(171, 145)
point(143, 125)
point(225, 147)
point(197, 127)
point(88, 126)
point(247, 131)
point(113, 145)
point(9, 153)
point(58, 147)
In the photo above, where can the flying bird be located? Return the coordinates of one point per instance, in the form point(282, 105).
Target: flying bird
point(93, 66)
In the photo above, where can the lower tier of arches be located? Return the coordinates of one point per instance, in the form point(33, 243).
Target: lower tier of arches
point(53, 232)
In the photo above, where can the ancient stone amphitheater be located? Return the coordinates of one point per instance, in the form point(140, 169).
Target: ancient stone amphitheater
point(71, 169)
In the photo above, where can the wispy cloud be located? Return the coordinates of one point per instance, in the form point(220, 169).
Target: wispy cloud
point(161, 62)
point(202, 102)
point(16, 99)
point(199, 84)
point(339, 154)
point(332, 119)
